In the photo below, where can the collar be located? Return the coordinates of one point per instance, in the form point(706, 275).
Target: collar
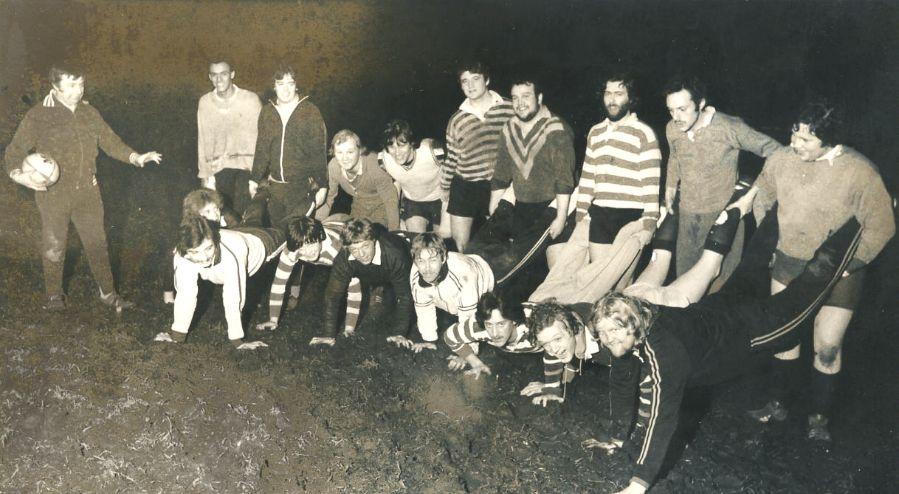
point(467, 107)
point(444, 271)
point(831, 155)
point(216, 95)
point(374, 260)
point(629, 118)
point(542, 113)
point(50, 101)
point(705, 118)
point(358, 172)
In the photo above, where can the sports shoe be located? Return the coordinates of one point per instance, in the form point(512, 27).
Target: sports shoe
point(55, 303)
point(817, 428)
point(115, 300)
point(772, 410)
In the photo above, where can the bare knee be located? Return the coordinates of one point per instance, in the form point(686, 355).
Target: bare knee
point(828, 357)
point(54, 250)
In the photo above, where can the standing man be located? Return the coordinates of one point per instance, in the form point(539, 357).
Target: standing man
point(472, 137)
point(71, 131)
point(535, 158)
point(819, 184)
point(291, 151)
point(705, 145)
point(227, 119)
point(620, 178)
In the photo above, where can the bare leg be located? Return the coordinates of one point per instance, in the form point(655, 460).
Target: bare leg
point(416, 224)
point(657, 269)
point(461, 229)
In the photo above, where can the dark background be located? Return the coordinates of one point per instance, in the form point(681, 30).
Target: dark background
point(366, 62)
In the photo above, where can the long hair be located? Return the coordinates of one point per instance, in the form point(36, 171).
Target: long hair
point(631, 313)
point(548, 312)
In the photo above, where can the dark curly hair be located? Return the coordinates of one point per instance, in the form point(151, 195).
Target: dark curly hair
point(548, 312)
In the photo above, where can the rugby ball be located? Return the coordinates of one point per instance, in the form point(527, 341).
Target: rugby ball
point(42, 168)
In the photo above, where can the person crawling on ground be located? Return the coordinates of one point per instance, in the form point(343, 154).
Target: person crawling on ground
point(208, 204)
point(708, 342)
point(315, 242)
point(448, 281)
point(379, 259)
point(227, 257)
point(558, 329)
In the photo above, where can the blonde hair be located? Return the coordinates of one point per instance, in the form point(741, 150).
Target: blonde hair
point(631, 313)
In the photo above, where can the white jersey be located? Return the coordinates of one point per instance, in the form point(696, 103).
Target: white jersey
point(467, 277)
point(421, 181)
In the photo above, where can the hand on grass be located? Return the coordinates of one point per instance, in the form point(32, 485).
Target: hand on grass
point(400, 341)
point(477, 370)
point(533, 388)
point(632, 488)
point(542, 400)
point(320, 340)
point(252, 345)
point(456, 363)
point(418, 347)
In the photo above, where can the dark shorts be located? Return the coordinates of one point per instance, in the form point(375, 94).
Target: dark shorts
point(469, 199)
point(429, 210)
point(846, 294)
point(606, 222)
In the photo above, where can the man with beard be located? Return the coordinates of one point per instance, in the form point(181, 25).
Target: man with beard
point(819, 184)
point(620, 179)
point(705, 146)
point(536, 159)
point(227, 120)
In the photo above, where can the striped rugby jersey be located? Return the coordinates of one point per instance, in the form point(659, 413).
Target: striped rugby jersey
point(472, 141)
point(330, 247)
point(621, 168)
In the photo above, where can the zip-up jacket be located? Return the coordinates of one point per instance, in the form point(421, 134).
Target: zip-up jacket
point(293, 152)
point(73, 139)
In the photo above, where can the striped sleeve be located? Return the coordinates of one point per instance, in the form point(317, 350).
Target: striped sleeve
point(279, 286)
point(452, 152)
point(353, 305)
point(555, 373)
point(625, 162)
point(460, 336)
point(661, 393)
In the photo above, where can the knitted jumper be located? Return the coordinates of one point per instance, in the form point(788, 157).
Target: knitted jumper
point(817, 197)
point(621, 169)
point(330, 247)
point(539, 161)
point(705, 166)
point(471, 141)
point(226, 131)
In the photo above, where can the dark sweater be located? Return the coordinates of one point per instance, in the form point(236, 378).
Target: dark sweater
point(73, 139)
point(305, 148)
point(394, 269)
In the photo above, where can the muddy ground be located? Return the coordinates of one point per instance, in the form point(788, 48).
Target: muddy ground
point(88, 403)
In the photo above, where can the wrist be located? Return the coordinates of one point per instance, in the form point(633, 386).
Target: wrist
point(133, 157)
